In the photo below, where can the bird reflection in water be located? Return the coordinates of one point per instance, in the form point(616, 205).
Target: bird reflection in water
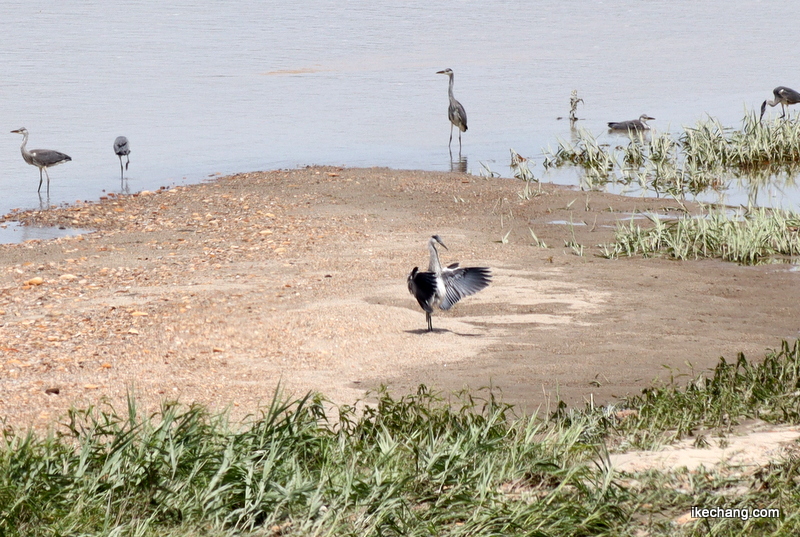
point(458, 164)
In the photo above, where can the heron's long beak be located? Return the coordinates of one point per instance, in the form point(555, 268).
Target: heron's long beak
point(16, 131)
point(441, 73)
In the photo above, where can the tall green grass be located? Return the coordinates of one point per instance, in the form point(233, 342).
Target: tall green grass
point(751, 238)
point(414, 465)
point(408, 466)
point(733, 392)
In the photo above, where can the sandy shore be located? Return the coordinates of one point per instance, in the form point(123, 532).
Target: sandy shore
point(217, 292)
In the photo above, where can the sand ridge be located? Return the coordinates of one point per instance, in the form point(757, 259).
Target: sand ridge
point(220, 291)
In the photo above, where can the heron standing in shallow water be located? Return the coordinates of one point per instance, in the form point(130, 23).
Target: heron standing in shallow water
point(455, 112)
point(632, 124)
point(444, 287)
point(783, 96)
point(41, 158)
point(122, 149)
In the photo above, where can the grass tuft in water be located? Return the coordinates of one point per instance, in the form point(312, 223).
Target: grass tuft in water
point(753, 237)
point(596, 160)
point(701, 158)
point(573, 105)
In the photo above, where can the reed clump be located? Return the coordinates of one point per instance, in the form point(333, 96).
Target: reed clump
point(704, 157)
point(753, 237)
point(596, 160)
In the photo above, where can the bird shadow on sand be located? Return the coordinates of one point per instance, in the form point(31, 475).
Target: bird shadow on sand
point(423, 331)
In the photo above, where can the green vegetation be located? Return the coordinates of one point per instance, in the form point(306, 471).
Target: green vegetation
point(704, 157)
point(756, 236)
point(732, 393)
point(596, 160)
point(519, 166)
point(417, 465)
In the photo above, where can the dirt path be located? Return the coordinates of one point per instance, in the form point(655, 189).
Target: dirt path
point(217, 292)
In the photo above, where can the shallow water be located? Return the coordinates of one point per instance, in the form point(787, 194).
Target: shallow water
point(247, 85)
point(15, 232)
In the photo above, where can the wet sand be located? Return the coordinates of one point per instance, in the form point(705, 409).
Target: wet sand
point(219, 292)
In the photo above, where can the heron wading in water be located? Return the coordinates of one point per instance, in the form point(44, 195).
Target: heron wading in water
point(632, 124)
point(783, 96)
point(122, 149)
point(41, 158)
point(443, 287)
point(455, 112)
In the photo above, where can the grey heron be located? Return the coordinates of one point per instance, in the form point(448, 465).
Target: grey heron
point(632, 124)
point(443, 287)
point(122, 149)
point(455, 112)
point(41, 158)
point(783, 96)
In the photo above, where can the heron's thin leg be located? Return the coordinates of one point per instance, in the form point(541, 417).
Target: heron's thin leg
point(127, 161)
point(48, 181)
point(40, 181)
point(451, 136)
point(459, 142)
point(430, 322)
point(121, 173)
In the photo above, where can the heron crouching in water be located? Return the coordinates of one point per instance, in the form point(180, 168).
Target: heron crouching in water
point(122, 149)
point(41, 158)
point(455, 112)
point(443, 287)
point(632, 124)
point(783, 96)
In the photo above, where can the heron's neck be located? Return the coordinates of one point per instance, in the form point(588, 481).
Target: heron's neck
point(24, 150)
point(450, 88)
point(434, 265)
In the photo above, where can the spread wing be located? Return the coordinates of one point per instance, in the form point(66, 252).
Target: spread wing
point(423, 286)
point(461, 282)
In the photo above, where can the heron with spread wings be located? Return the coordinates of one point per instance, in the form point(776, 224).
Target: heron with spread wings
point(444, 286)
